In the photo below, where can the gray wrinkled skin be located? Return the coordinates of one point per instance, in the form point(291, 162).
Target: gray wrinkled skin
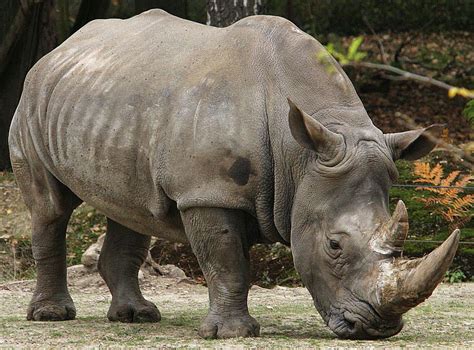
point(183, 131)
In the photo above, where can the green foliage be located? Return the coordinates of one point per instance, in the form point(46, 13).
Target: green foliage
point(352, 55)
point(427, 228)
point(435, 59)
point(468, 234)
point(428, 221)
point(453, 204)
point(85, 226)
point(273, 265)
point(468, 112)
point(16, 259)
point(426, 224)
point(455, 276)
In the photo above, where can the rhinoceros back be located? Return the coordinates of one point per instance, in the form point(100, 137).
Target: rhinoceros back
point(135, 114)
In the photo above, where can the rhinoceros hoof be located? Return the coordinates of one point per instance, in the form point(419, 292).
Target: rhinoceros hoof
point(51, 311)
point(134, 312)
point(221, 327)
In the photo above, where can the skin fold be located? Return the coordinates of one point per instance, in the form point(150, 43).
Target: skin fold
point(223, 138)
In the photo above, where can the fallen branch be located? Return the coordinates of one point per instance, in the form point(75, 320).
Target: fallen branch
point(404, 75)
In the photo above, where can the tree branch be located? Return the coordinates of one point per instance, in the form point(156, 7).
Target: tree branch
point(408, 76)
point(88, 11)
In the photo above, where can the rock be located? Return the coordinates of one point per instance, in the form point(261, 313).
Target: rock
point(151, 266)
point(171, 271)
point(77, 273)
point(82, 277)
point(256, 288)
point(186, 280)
point(90, 258)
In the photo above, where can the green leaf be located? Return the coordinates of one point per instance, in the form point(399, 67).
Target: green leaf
point(330, 48)
point(359, 56)
point(351, 52)
point(468, 111)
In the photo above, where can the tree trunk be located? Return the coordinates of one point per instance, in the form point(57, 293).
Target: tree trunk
point(222, 13)
point(176, 7)
point(88, 11)
point(289, 10)
point(31, 37)
point(28, 31)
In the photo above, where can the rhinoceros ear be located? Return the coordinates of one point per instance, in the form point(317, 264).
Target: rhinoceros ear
point(311, 134)
point(414, 144)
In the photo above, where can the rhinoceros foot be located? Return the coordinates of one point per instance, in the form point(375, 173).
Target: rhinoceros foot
point(216, 326)
point(134, 312)
point(60, 309)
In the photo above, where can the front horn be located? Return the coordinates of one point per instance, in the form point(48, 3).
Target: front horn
point(403, 284)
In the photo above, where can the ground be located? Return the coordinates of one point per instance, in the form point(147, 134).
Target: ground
point(287, 317)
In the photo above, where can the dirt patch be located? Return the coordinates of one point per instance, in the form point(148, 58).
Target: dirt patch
point(287, 317)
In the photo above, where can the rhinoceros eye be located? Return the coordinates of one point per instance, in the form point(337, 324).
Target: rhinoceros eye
point(334, 244)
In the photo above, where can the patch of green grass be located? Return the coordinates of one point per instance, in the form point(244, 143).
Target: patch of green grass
point(7, 176)
point(273, 265)
point(424, 309)
point(85, 226)
point(284, 309)
point(189, 319)
point(56, 334)
point(455, 304)
point(467, 233)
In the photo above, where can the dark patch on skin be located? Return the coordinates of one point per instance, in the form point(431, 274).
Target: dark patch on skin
point(240, 171)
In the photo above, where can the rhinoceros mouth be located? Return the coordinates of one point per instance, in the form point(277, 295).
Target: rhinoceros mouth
point(362, 322)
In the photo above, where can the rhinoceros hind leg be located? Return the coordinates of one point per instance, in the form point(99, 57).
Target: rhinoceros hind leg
point(123, 252)
point(218, 238)
point(51, 204)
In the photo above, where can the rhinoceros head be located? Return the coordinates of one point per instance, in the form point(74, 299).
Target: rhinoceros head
point(346, 245)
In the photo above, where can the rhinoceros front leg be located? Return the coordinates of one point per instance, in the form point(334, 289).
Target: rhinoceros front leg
point(217, 238)
point(123, 252)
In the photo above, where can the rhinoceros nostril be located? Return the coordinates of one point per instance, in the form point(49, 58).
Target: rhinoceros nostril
point(350, 320)
point(350, 324)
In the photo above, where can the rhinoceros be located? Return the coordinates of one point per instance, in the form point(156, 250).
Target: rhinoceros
point(223, 138)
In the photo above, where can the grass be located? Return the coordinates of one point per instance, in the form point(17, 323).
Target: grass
point(287, 317)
